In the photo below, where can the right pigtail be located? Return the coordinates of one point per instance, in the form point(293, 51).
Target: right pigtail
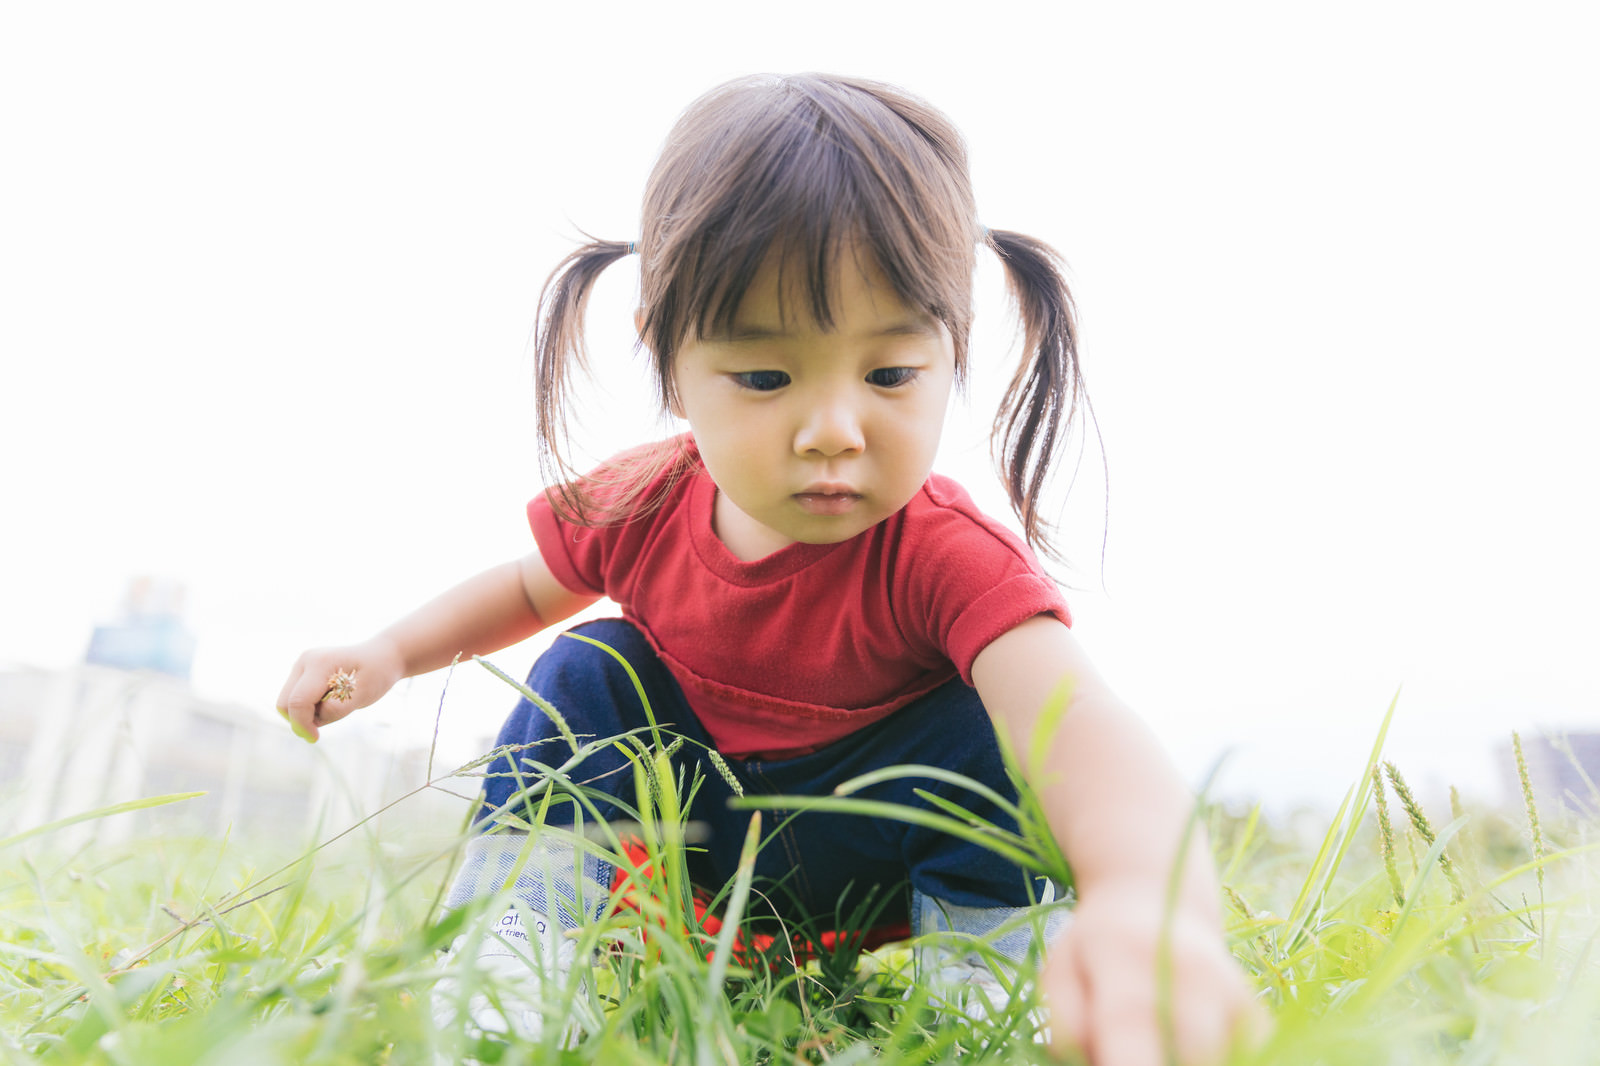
point(559, 353)
point(1037, 411)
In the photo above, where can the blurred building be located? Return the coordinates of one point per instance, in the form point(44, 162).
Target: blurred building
point(126, 725)
point(76, 740)
point(150, 633)
point(1564, 769)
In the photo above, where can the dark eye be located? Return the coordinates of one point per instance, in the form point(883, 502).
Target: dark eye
point(762, 380)
point(890, 377)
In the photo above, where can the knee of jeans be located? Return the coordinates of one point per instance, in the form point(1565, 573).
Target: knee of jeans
point(588, 665)
point(596, 662)
point(595, 641)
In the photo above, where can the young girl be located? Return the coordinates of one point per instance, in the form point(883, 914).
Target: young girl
point(800, 592)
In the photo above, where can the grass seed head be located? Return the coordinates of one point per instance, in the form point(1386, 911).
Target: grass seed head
point(1386, 838)
point(1526, 780)
point(1424, 828)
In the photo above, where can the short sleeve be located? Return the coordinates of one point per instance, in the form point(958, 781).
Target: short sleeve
point(574, 554)
point(601, 559)
point(999, 610)
point(970, 579)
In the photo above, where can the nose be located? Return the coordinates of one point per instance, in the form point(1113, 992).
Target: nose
point(831, 427)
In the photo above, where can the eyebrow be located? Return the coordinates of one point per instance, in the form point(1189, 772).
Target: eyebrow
point(744, 333)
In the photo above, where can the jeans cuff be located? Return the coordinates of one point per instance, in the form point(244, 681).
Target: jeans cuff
point(548, 873)
point(1049, 920)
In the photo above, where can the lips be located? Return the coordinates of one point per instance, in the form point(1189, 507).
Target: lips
point(827, 499)
point(829, 488)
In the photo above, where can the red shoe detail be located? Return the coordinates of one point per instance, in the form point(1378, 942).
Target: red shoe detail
point(624, 894)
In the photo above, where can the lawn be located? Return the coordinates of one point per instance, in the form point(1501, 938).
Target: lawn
point(1389, 934)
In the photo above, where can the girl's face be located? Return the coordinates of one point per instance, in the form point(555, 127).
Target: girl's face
point(811, 435)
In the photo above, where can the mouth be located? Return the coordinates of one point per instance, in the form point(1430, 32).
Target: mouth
point(827, 499)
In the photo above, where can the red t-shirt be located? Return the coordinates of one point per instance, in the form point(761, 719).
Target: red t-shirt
point(796, 650)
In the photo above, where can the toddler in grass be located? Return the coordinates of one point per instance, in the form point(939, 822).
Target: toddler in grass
point(803, 595)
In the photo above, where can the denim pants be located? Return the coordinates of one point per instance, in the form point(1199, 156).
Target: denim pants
point(819, 862)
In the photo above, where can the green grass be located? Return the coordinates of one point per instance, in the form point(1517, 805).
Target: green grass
point(1450, 943)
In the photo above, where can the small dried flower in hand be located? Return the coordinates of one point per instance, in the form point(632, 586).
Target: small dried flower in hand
point(341, 686)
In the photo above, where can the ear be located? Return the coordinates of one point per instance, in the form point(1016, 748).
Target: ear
point(638, 321)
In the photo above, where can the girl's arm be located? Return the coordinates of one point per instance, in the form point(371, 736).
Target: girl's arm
point(1119, 811)
point(493, 610)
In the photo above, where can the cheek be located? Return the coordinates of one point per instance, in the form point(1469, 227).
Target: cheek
point(930, 420)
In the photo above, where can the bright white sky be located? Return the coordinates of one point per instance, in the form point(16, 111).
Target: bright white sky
point(269, 273)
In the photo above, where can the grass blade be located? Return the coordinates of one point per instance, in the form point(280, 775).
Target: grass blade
point(98, 812)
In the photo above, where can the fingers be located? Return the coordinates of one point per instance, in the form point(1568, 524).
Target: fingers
point(1067, 1001)
point(322, 687)
point(1127, 1045)
point(1124, 1026)
point(287, 690)
point(307, 734)
point(1108, 1030)
point(1106, 1004)
point(298, 700)
point(1252, 1025)
point(328, 683)
point(1198, 1033)
point(1208, 1030)
point(1199, 1023)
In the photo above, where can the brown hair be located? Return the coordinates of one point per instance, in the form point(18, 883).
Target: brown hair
point(800, 168)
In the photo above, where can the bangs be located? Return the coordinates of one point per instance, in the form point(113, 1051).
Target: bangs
point(803, 171)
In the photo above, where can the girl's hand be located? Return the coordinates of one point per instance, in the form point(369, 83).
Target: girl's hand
point(1106, 1002)
point(328, 683)
point(485, 613)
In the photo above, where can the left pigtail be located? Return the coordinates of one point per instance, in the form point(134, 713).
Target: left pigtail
point(559, 352)
point(1036, 414)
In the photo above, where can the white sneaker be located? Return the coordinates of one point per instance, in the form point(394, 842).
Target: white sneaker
point(964, 982)
point(965, 985)
point(519, 973)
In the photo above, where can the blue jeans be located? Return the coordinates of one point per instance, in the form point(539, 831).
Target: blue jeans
point(820, 862)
